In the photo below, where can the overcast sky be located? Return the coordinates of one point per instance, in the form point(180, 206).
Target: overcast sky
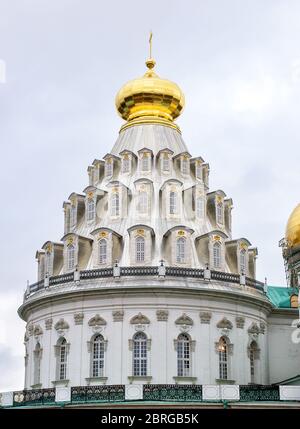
point(238, 63)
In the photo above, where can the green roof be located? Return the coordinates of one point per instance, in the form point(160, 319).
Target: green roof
point(281, 296)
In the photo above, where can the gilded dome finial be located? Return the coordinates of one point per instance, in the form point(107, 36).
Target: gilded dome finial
point(150, 99)
point(150, 63)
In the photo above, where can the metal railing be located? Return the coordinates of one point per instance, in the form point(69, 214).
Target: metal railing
point(34, 397)
point(113, 393)
point(253, 393)
point(172, 392)
point(144, 271)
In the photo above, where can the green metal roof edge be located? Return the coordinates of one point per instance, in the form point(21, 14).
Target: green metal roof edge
point(280, 296)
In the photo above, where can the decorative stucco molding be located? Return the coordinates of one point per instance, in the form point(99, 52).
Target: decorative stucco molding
point(37, 331)
point(191, 342)
point(140, 319)
point(48, 323)
point(262, 327)
point(61, 325)
point(184, 320)
point(205, 317)
point(118, 315)
point(30, 328)
point(97, 321)
point(224, 324)
point(240, 322)
point(78, 318)
point(162, 315)
point(253, 328)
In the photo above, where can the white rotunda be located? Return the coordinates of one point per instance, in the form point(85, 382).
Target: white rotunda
point(147, 285)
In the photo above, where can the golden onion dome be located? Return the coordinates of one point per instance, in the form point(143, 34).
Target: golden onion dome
point(292, 233)
point(150, 99)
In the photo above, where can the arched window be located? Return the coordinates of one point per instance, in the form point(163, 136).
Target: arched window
point(140, 249)
point(181, 250)
point(70, 257)
point(253, 350)
point(73, 213)
point(145, 162)
point(42, 263)
point(48, 262)
point(98, 356)
point(115, 204)
point(109, 167)
point(143, 203)
point(200, 207)
point(220, 213)
point(102, 251)
point(173, 202)
point(199, 171)
point(217, 255)
point(185, 166)
point(243, 261)
point(37, 364)
point(183, 356)
point(62, 359)
point(166, 163)
point(126, 165)
point(140, 354)
point(223, 359)
point(90, 209)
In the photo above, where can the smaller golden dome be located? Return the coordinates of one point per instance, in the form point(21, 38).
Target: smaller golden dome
point(292, 233)
point(150, 99)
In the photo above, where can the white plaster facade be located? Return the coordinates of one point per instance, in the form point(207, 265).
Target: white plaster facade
point(72, 309)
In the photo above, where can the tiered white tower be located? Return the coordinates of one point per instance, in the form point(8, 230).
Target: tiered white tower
point(147, 284)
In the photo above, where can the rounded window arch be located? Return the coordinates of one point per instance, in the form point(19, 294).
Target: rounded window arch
point(37, 364)
point(181, 250)
point(140, 354)
point(102, 251)
point(220, 213)
point(115, 204)
point(173, 202)
point(243, 261)
point(48, 262)
point(62, 358)
point(183, 355)
point(200, 207)
point(140, 249)
point(73, 215)
point(126, 164)
point(70, 256)
point(253, 355)
point(217, 254)
point(98, 352)
point(143, 203)
point(90, 209)
point(223, 358)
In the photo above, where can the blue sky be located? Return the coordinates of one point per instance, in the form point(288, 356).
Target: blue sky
point(238, 64)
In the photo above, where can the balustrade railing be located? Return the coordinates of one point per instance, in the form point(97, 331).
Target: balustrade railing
point(113, 393)
point(34, 397)
point(172, 392)
point(151, 392)
point(252, 393)
point(145, 271)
